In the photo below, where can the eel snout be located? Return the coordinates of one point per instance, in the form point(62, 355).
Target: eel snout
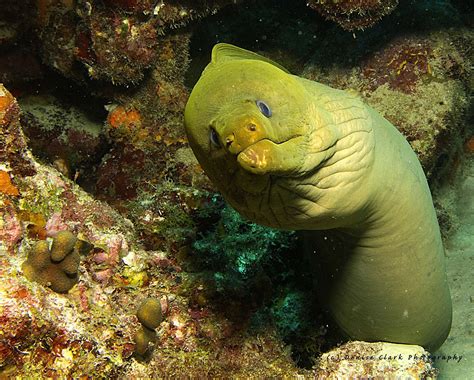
point(237, 140)
point(235, 133)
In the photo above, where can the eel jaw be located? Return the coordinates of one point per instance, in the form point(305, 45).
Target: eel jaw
point(255, 159)
point(275, 158)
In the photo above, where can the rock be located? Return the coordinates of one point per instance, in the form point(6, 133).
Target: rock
point(420, 83)
point(380, 360)
point(353, 15)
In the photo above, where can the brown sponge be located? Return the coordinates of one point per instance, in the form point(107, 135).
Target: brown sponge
point(56, 267)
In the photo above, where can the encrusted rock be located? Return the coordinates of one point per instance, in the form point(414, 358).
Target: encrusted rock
point(417, 82)
point(380, 360)
point(354, 14)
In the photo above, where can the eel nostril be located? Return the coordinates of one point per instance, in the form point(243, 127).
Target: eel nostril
point(229, 140)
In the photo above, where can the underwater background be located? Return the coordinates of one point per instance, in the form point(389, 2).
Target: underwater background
point(118, 258)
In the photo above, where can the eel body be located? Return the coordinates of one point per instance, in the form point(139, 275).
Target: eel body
point(294, 154)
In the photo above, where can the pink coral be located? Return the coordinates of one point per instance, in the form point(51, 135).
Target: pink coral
point(55, 224)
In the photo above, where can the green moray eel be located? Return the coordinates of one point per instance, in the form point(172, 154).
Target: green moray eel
point(294, 154)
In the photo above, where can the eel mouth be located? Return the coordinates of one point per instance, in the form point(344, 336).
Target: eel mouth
point(266, 156)
point(257, 157)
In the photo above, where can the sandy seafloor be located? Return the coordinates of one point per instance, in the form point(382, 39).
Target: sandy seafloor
point(459, 248)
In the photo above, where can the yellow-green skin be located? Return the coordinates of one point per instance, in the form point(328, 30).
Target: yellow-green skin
point(327, 164)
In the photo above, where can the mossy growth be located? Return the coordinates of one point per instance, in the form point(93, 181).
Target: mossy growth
point(250, 271)
point(166, 211)
point(294, 313)
point(237, 249)
point(54, 267)
point(296, 318)
point(290, 313)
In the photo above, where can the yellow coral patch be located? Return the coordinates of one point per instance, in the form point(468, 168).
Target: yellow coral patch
point(5, 100)
point(6, 186)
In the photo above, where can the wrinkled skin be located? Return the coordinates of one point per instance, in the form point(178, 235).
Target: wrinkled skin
point(325, 163)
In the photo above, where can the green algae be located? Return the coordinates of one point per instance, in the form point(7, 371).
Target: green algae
point(236, 249)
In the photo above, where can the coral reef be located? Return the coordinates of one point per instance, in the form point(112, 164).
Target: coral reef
point(90, 329)
point(6, 186)
point(43, 333)
point(402, 64)
point(115, 41)
point(420, 83)
point(64, 135)
point(354, 14)
point(224, 315)
point(13, 148)
point(56, 267)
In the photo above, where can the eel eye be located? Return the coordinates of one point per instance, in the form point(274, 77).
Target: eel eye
point(213, 136)
point(263, 107)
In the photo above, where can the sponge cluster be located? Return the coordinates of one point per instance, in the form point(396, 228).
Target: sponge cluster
point(55, 267)
point(150, 316)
